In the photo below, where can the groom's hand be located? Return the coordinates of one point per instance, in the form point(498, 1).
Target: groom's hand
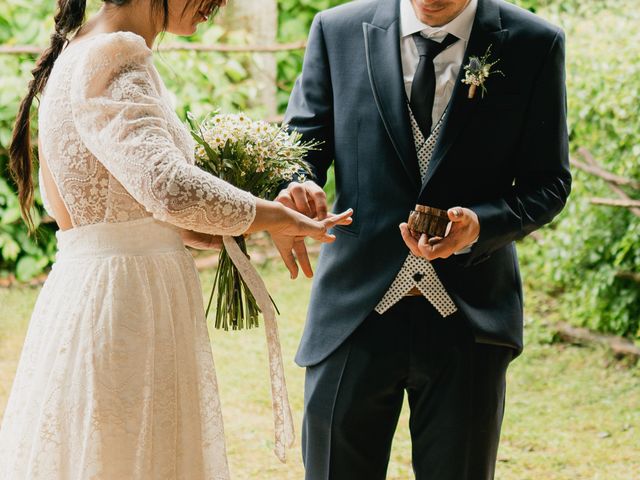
point(307, 198)
point(464, 231)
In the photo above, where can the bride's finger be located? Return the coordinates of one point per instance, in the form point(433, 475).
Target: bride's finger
point(303, 257)
point(313, 229)
point(289, 260)
point(344, 218)
point(326, 238)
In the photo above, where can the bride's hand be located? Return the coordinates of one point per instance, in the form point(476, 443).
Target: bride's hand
point(279, 220)
point(293, 249)
point(289, 228)
point(299, 225)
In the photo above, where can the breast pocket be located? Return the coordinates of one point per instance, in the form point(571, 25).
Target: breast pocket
point(495, 128)
point(502, 101)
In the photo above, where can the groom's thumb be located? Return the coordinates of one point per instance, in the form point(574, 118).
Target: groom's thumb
point(456, 214)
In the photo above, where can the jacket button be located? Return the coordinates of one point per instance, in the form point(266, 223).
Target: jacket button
point(418, 277)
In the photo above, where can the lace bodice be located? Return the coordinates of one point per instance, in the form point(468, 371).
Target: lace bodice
point(116, 149)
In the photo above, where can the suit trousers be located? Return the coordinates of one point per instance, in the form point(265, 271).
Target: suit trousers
point(455, 388)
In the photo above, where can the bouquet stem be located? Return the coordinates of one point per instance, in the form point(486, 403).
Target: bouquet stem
point(236, 307)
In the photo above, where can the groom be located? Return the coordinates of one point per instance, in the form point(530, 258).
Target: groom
point(392, 312)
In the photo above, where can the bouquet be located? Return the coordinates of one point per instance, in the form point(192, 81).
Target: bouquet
point(258, 157)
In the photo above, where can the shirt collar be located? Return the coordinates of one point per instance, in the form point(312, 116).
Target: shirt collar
point(460, 26)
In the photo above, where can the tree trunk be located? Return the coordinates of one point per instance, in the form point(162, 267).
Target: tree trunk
point(259, 18)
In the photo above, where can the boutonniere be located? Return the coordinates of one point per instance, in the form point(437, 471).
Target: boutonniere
point(477, 71)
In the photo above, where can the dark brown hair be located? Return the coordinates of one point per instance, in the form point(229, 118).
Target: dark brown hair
point(68, 19)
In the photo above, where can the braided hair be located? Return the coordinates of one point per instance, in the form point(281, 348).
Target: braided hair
point(69, 18)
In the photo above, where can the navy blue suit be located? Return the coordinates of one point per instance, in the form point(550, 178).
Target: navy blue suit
point(505, 156)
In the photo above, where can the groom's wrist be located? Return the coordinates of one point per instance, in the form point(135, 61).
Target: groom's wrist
point(468, 248)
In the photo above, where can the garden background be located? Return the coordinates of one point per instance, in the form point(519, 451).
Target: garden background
point(573, 412)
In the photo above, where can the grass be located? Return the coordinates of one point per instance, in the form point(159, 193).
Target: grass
point(572, 413)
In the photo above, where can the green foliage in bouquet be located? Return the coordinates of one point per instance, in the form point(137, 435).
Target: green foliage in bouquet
point(257, 157)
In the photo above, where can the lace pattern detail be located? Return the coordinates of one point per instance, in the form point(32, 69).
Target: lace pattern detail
point(116, 379)
point(117, 150)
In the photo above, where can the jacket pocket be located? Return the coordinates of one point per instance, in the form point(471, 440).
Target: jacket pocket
point(500, 101)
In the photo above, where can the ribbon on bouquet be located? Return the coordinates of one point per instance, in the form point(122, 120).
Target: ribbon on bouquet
point(283, 420)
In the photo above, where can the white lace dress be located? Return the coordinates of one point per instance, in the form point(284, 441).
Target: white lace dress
point(116, 379)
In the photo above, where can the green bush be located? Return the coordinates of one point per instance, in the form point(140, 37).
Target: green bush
point(20, 255)
point(294, 20)
point(201, 82)
point(583, 251)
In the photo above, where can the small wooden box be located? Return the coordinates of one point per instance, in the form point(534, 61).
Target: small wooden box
point(429, 220)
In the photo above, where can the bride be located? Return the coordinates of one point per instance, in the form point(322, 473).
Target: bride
point(116, 378)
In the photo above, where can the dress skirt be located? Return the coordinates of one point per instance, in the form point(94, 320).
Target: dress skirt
point(116, 379)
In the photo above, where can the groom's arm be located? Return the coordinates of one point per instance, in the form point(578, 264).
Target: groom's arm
point(310, 109)
point(310, 112)
point(543, 180)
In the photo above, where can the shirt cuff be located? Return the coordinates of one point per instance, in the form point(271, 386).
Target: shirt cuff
point(467, 249)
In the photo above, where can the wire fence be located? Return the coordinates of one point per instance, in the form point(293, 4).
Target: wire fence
point(184, 47)
point(179, 47)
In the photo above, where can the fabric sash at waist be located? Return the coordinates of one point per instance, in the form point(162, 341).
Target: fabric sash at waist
point(146, 236)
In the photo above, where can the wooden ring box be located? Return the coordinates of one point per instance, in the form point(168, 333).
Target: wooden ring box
point(429, 220)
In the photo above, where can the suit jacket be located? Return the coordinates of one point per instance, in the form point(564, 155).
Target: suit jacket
point(505, 156)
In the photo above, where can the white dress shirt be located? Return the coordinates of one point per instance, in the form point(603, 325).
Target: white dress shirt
point(447, 65)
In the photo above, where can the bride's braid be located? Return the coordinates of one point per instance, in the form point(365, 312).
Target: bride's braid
point(68, 19)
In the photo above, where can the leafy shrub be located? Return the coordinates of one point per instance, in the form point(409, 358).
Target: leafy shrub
point(201, 82)
point(582, 252)
point(20, 254)
point(294, 20)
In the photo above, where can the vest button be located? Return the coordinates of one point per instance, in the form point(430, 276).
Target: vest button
point(418, 277)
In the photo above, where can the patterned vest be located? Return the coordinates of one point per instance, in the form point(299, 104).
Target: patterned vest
point(418, 272)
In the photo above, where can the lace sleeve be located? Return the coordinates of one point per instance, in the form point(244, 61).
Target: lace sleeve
point(122, 119)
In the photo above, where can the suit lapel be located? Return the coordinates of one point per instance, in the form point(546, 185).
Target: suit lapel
point(487, 31)
point(382, 44)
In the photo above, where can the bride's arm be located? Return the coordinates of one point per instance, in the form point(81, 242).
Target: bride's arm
point(121, 118)
point(200, 241)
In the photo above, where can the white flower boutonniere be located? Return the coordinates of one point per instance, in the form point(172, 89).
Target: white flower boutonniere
point(477, 71)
